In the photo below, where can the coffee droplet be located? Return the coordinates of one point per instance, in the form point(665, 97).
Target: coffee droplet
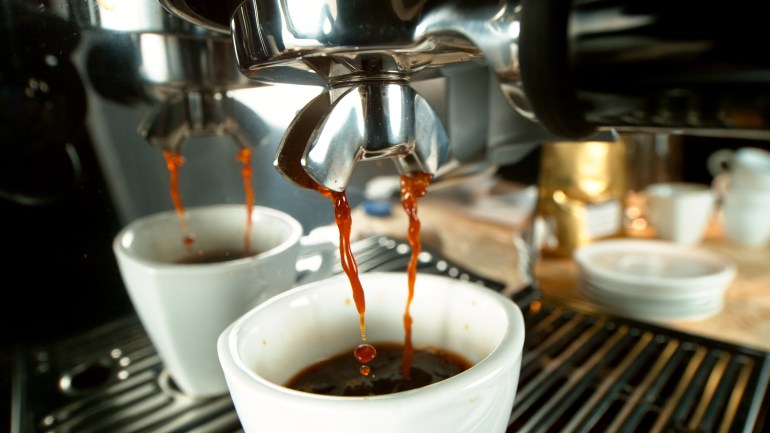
point(365, 353)
point(365, 370)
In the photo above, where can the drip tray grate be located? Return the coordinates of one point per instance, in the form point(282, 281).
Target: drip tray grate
point(582, 372)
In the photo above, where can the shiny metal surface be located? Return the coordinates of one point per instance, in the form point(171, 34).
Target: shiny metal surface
point(120, 16)
point(187, 70)
point(574, 67)
point(341, 44)
point(320, 42)
point(338, 44)
point(212, 15)
point(189, 78)
point(189, 114)
point(363, 122)
point(167, 62)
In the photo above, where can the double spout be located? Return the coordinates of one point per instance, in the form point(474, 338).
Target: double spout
point(199, 114)
point(363, 121)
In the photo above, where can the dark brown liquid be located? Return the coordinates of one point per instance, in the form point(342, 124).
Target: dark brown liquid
point(412, 188)
point(348, 261)
point(244, 157)
point(344, 223)
point(212, 257)
point(175, 160)
point(339, 375)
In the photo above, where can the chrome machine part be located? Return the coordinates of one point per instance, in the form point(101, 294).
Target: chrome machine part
point(362, 122)
point(572, 66)
point(382, 50)
point(185, 69)
point(191, 113)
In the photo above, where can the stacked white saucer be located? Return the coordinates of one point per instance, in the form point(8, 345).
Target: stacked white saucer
point(653, 280)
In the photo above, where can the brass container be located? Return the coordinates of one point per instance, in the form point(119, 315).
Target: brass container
point(582, 193)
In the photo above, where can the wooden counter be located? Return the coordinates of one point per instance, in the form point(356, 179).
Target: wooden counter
point(495, 250)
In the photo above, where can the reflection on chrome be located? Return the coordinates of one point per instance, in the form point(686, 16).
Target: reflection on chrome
point(363, 122)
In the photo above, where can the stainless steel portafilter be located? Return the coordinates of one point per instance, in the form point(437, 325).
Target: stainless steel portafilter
point(363, 122)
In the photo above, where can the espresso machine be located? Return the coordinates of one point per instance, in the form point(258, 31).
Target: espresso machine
point(568, 70)
point(336, 92)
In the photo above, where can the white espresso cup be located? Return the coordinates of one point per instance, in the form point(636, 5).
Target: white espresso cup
point(680, 211)
point(264, 349)
point(184, 307)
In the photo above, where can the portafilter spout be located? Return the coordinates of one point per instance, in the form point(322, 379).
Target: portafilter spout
point(198, 114)
point(362, 121)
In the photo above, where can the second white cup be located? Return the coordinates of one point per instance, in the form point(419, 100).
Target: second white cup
point(680, 211)
point(185, 306)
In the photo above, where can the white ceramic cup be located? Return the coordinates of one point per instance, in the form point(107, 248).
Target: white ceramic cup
point(746, 216)
point(265, 348)
point(680, 211)
point(184, 307)
point(747, 167)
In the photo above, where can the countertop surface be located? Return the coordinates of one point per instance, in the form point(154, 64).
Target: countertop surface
point(496, 249)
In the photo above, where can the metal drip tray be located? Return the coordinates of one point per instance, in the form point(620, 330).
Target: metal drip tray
point(582, 372)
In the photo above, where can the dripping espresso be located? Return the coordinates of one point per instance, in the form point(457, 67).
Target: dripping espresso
point(339, 375)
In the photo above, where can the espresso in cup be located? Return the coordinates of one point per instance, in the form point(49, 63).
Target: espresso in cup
point(214, 256)
point(272, 345)
point(340, 374)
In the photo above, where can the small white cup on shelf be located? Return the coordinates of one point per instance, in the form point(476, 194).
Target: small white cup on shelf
point(680, 211)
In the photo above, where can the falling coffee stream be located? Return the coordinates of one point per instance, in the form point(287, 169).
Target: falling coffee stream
point(365, 352)
point(244, 157)
point(412, 188)
point(348, 261)
point(174, 160)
